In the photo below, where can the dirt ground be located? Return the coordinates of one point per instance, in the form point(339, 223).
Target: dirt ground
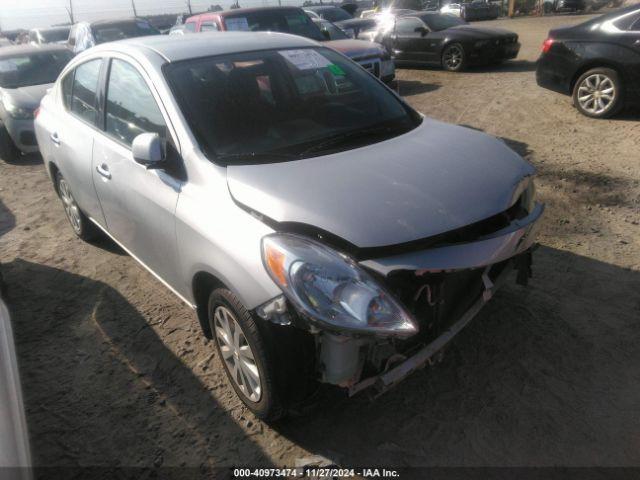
point(116, 373)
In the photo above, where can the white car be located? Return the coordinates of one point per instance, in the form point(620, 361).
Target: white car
point(452, 9)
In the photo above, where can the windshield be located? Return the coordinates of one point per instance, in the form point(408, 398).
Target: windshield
point(441, 22)
point(36, 68)
point(293, 21)
point(267, 106)
point(335, 14)
point(111, 32)
point(55, 35)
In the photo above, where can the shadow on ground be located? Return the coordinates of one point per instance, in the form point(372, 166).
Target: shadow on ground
point(407, 88)
point(546, 375)
point(101, 389)
point(506, 67)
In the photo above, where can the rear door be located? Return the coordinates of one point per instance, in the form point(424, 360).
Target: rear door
point(630, 37)
point(72, 134)
point(138, 204)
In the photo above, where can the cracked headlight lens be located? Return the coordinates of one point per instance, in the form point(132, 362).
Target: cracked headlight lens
point(330, 289)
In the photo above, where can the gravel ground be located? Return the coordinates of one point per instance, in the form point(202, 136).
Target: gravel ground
point(116, 373)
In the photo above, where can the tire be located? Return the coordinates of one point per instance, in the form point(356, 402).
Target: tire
point(81, 225)
point(280, 355)
point(453, 58)
point(603, 91)
point(9, 152)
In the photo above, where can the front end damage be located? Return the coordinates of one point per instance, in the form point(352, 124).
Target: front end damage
point(443, 288)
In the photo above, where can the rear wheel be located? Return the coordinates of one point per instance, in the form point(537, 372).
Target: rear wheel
point(598, 93)
point(9, 152)
point(453, 58)
point(81, 225)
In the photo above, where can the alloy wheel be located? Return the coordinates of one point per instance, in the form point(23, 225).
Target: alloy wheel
point(596, 93)
point(70, 206)
point(237, 354)
point(452, 57)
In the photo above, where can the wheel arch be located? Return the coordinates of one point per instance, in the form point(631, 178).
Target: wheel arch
point(202, 284)
point(595, 64)
point(53, 171)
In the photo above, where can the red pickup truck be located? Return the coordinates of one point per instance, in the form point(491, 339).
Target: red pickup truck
point(373, 57)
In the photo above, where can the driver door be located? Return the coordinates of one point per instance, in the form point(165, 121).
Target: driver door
point(138, 204)
point(409, 40)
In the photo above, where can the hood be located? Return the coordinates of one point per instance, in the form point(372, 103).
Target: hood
point(27, 97)
point(479, 32)
point(355, 48)
point(433, 179)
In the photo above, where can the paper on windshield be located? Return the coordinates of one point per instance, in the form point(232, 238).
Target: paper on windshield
point(305, 59)
point(239, 23)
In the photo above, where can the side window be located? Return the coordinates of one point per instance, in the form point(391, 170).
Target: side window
point(407, 26)
point(636, 26)
point(131, 108)
point(628, 22)
point(190, 26)
point(85, 86)
point(67, 86)
point(209, 27)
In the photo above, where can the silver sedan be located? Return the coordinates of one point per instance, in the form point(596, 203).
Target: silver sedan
point(323, 231)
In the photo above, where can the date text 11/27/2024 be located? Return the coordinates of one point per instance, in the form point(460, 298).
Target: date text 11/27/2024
point(315, 472)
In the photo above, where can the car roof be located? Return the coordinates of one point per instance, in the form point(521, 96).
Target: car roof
point(173, 48)
point(117, 21)
point(24, 48)
point(320, 8)
point(51, 29)
point(239, 11)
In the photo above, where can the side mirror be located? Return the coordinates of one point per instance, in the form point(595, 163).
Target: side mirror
point(326, 34)
point(147, 150)
point(421, 30)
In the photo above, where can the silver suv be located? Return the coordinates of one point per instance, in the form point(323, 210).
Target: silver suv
point(322, 229)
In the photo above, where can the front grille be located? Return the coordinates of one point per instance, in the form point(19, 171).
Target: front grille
point(437, 300)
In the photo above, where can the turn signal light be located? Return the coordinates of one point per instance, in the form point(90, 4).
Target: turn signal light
point(546, 46)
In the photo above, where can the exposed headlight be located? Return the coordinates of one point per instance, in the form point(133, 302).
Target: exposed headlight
point(19, 113)
point(330, 289)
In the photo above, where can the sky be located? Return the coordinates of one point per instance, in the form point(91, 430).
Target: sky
point(43, 13)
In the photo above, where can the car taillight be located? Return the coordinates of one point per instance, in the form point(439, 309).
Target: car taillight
point(36, 112)
point(546, 46)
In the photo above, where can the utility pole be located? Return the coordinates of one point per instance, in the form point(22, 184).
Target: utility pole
point(189, 7)
point(133, 6)
point(70, 12)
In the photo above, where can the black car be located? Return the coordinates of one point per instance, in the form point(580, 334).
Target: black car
point(479, 10)
point(597, 62)
point(342, 19)
point(569, 5)
point(447, 41)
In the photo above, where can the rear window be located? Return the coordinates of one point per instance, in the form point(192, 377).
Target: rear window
point(55, 35)
point(35, 68)
point(118, 31)
point(335, 14)
point(295, 22)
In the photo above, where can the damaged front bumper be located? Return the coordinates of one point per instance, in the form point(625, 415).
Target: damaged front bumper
point(444, 288)
point(392, 376)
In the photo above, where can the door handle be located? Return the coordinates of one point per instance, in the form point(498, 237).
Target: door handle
point(55, 139)
point(104, 171)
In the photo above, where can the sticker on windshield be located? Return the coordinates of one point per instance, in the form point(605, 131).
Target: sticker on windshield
point(305, 59)
point(336, 70)
point(237, 24)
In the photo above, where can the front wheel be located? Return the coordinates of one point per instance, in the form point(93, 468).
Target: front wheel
point(598, 93)
point(453, 58)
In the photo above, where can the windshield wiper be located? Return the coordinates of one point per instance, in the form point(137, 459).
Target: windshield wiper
point(352, 134)
point(251, 157)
